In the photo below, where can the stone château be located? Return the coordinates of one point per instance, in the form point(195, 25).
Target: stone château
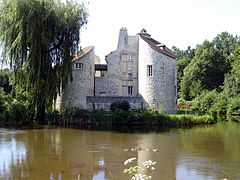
point(141, 71)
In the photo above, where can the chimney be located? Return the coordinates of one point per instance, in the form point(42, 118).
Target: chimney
point(123, 39)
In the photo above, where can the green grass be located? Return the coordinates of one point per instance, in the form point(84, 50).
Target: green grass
point(134, 118)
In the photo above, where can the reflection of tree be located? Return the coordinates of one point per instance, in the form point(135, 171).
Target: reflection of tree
point(218, 146)
point(72, 154)
point(12, 154)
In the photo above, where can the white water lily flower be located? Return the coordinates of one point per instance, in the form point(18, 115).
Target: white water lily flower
point(129, 161)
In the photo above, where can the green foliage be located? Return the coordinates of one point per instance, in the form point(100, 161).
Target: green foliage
point(221, 103)
point(225, 99)
point(12, 112)
point(5, 76)
point(115, 105)
point(207, 69)
point(183, 59)
point(123, 105)
point(75, 113)
point(181, 65)
point(205, 72)
point(232, 80)
point(5, 100)
point(189, 53)
point(39, 38)
point(188, 120)
point(205, 102)
point(234, 106)
point(100, 116)
point(18, 114)
point(150, 117)
point(52, 117)
point(79, 117)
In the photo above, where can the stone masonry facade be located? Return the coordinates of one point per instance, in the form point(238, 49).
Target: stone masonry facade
point(141, 71)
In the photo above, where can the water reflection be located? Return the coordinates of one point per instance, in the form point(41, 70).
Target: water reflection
point(194, 168)
point(100, 175)
point(12, 153)
point(210, 152)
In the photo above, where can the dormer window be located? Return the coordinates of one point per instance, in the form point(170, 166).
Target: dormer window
point(79, 65)
point(129, 57)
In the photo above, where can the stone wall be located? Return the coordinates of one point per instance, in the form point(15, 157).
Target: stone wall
point(127, 64)
point(106, 86)
point(82, 84)
point(104, 102)
point(159, 90)
point(117, 79)
point(113, 74)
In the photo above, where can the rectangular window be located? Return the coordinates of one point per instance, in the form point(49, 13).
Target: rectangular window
point(130, 90)
point(129, 57)
point(129, 72)
point(149, 71)
point(79, 65)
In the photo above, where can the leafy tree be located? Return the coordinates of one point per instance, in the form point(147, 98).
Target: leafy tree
point(188, 53)
point(205, 72)
point(5, 76)
point(181, 65)
point(183, 59)
point(205, 102)
point(234, 106)
point(225, 43)
point(232, 80)
point(41, 36)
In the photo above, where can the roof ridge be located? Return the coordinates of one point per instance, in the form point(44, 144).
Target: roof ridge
point(156, 45)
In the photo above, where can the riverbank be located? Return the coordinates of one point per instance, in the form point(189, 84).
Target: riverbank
point(118, 117)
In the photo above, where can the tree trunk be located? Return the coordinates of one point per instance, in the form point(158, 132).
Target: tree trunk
point(41, 113)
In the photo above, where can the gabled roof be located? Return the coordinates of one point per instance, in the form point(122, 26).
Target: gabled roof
point(82, 53)
point(157, 46)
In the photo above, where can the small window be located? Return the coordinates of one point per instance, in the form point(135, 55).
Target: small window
point(129, 72)
point(129, 57)
point(79, 65)
point(149, 71)
point(130, 90)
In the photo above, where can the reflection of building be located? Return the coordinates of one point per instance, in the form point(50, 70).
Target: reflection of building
point(167, 150)
point(12, 153)
point(141, 70)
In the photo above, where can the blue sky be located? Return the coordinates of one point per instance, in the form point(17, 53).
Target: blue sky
point(173, 22)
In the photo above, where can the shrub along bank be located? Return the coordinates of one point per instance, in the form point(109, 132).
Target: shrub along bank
point(79, 117)
point(13, 112)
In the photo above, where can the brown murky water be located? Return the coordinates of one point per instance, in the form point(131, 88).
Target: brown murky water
point(211, 152)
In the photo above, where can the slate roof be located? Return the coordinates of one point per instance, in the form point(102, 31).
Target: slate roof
point(82, 53)
point(157, 46)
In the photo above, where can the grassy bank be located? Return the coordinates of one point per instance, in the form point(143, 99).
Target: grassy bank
point(79, 117)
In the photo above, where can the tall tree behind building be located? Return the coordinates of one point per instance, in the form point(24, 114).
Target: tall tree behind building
point(39, 38)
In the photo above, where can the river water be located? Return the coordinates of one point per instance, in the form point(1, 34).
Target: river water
point(208, 152)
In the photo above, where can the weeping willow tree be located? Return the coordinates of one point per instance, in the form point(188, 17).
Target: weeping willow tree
point(39, 38)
